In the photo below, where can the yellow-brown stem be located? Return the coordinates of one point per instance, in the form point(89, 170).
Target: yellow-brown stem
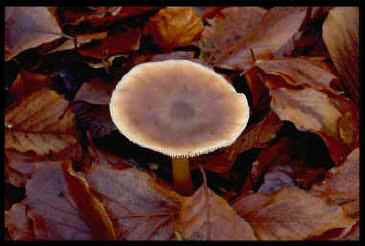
point(181, 176)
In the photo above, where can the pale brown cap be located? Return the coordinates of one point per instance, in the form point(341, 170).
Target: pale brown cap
point(178, 107)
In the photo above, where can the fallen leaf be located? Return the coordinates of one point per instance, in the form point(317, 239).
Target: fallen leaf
point(42, 124)
point(342, 184)
point(26, 83)
point(255, 136)
point(90, 208)
point(20, 166)
point(17, 223)
point(206, 216)
point(317, 112)
point(114, 43)
point(80, 40)
point(341, 36)
point(299, 71)
point(51, 208)
point(185, 55)
point(93, 118)
point(174, 27)
point(277, 178)
point(229, 25)
point(140, 209)
point(290, 214)
point(102, 16)
point(95, 91)
point(29, 27)
point(277, 26)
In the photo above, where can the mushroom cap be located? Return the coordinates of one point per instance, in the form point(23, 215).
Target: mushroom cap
point(178, 108)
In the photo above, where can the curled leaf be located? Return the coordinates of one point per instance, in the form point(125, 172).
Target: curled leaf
point(40, 123)
point(29, 27)
point(175, 26)
point(290, 214)
point(341, 36)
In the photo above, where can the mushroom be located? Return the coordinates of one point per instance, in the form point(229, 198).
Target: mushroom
point(179, 108)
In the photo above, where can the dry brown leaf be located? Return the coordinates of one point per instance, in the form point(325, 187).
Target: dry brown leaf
point(102, 16)
point(20, 167)
point(290, 214)
point(316, 111)
point(51, 208)
point(299, 71)
point(81, 39)
point(174, 27)
point(139, 208)
point(29, 27)
point(95, 91)
point(26, 83)
point(206, 216)
point(90, 208)
point(17, 223)
point(255, 136)
point(341, 36)
point(113, 44)
point(277, 27)
point(342, 184)
point(230, 25)
point(40, 123)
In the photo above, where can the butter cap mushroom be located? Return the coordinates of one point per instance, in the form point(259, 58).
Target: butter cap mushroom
point(179, 108)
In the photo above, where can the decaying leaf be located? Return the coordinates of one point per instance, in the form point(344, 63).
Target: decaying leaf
point(29, 27)
point(290, 214)
point(51, 208)
point(40, 123)
point(26, 83)
point(174, 26)
point(230, 25)
point(315, 111)
point(94, 118)
point(342, 185)
point(206, 216)
point(341, 36)
point(276, 28)
point(17, 223)
point(114, 43)
point(95, 91)
point(90, 208)
point(140, 209)
point(299, 71)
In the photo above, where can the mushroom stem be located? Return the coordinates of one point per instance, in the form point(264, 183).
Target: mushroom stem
point(181, 176)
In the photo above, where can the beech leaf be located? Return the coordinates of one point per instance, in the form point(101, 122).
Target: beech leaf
point(17, 223)
point(341, 36)
point(342, 184)
point(40, 123)
point(141, 209)
point(29, 27)
point(174, 26)
point(290, 214)
point(206, 216)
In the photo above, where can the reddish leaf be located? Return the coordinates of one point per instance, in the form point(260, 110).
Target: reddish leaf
point(28, 27)
point(290, 214)
point(95, 91)
point(299, 71)
point(315, 111)
point(40, 123)
point(116, 43)
point(278, 25)
point(226, 28)
point(174, 26)
point(90, 208)
point(139, 208)
point(341, 36)
point(206, 216)
point(342, 184)
point(26, 83)
point(17, 223)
